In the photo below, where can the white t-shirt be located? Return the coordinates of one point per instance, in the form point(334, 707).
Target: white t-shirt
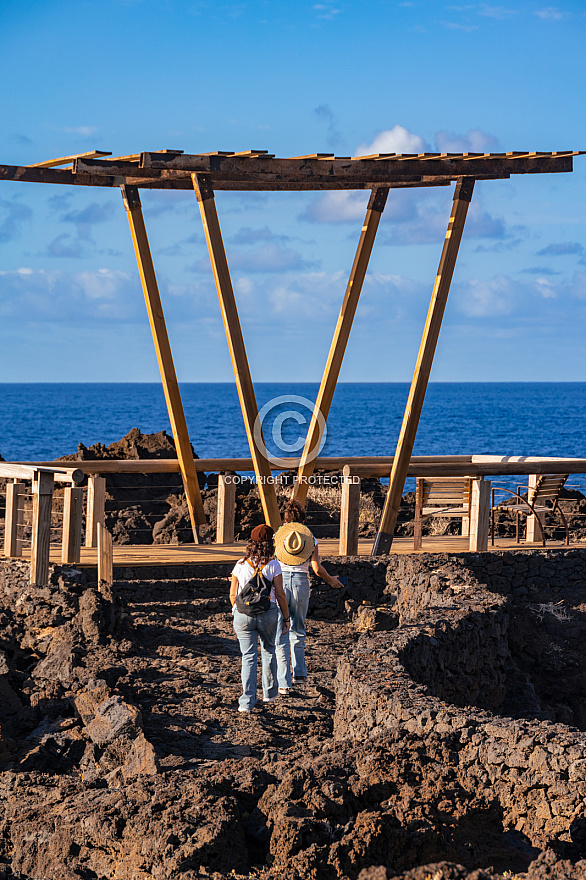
point(303, 566)
point(243, 571)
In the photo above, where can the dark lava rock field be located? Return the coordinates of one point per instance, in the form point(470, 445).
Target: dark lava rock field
point(123, 755)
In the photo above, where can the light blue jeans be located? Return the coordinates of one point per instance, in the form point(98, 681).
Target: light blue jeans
point(249, 630)
point(291, 646)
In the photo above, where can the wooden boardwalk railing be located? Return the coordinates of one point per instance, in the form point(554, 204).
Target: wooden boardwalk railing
point(43, 476)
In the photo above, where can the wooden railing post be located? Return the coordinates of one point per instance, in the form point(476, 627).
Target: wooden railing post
point(534, 533)
point(226, 509)
point(14, 518)
point(105, 557)
point(43, 485)
point(349, 514)
point(479, 515)
point(72, 517)
point(95, 511)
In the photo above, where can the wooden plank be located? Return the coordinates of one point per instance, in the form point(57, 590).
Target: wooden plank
point(72, 517)
point(462, 197)
point(41, 528)
point(534, 533)
point(268, 496)
point(27, 471)
point(418, 512)
point(105, 557)
point(164, 358)
point(13, 519)
point(226, 509)
point(376, 205)
point(52, 163)
point(96, 508)
point(479, 516)
point(349, 514)
point(218, 465)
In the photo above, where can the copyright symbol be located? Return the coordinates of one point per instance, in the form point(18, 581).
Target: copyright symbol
point(280, 419)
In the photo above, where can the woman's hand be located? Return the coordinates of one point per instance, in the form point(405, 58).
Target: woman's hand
point(286, 626)
point(336, 583)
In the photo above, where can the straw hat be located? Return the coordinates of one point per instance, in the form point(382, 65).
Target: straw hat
point(294, 544)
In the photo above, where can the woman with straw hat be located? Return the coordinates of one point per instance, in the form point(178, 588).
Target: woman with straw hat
point(251, 627)
point(296, 549)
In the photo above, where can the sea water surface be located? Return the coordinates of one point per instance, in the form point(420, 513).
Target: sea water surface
point(44, 421)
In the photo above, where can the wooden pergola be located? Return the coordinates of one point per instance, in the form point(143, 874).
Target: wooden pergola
point(258, 170)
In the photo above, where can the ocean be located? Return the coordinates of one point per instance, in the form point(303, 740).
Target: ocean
point(45, 421)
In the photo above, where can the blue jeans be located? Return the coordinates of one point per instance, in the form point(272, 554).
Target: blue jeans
point(249, 630)
point(291, 646)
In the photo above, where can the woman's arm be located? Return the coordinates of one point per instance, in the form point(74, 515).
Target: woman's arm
point(320, 571)
point(233, 589)
point(281, 601)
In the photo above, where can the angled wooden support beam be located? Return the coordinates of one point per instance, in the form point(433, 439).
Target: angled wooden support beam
point(329, 380)
point(207, 205)
point(462, 197)
point(42, 503)
point(164, 357)
point(14, 518)
point(72, 516)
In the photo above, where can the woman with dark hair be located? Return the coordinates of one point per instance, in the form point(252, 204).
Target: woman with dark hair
point(249, 628)
point(296, 549)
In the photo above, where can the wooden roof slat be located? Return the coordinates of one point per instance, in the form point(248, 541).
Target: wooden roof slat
point(315, 156)
point(53, 163)
point(252, 154)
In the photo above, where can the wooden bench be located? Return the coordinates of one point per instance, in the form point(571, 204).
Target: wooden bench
point(441, 496)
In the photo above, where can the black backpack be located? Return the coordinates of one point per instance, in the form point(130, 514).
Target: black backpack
point(255, 596)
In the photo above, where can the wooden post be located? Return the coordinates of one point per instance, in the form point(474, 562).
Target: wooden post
point(418, 511)
point(329, 380)
point(226, 509)
point(95, 509)
point(462, 197)
point(72, 516)
point(164, 357)
point(349, 514)
point(43, 486)
point(479, 515)
point(207, 205)
point(105, 557)
point(534, 534)
point(14, 518)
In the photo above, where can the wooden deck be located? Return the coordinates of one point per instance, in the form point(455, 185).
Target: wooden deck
point(192, 554)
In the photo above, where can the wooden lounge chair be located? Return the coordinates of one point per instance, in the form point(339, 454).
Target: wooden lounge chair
point(441, 496)
point(535, 503)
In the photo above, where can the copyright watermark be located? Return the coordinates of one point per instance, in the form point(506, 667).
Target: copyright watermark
point(280, 479)
point(281, 424)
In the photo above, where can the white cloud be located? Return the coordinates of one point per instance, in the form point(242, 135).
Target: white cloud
point(84, 297)
point(550, 13)
point(394, 140)
point(474, 141)
point(498, 12)
point(337, 206)
point(84, 130)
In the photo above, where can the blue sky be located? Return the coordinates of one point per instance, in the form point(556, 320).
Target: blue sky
point(345, 77)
